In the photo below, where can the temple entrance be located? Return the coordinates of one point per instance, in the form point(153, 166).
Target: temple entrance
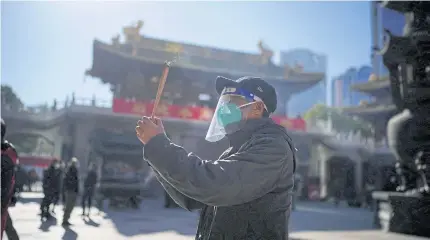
point(379, 170)
point(121, 167)
point(341, 174)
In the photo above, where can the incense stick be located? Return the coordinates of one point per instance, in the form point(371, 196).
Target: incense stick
point(161, 84)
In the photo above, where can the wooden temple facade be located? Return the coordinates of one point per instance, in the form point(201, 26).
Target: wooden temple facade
point(132, 67)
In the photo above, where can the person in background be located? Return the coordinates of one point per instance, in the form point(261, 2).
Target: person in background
point(297, 190)
point(33, 178)
point(63, 192)
point(20, 177)
point(89, 188)
point(9, 159)
point(71, 188)
point(51, 188)
point(337, 191)
point(390, 185)
point(58, 185)
point(10, 230)
point(369, 188)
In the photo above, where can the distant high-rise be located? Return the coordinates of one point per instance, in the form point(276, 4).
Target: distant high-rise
point(309, 62)
point(342, 95)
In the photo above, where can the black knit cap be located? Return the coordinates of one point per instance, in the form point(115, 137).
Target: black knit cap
point(255, 85)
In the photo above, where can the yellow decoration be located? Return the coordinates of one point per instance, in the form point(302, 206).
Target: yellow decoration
point(185, 113)
point(363, 103)
point(206, 114)
point(162, 110)
point(132, 33)
point(265, 53)
point(139, 108)
point(298, 67)
point(372, 78)
point(286, 123)
point(174, 48)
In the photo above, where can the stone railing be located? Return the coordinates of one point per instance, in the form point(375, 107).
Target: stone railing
point(58, 106)
point(45, 112)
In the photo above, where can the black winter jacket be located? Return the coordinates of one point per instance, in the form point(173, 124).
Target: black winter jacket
point(71, 180)
point(246, 193)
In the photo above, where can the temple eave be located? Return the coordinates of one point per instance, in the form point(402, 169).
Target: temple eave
point(111, 64)
point(371, 86)
point(369, 111)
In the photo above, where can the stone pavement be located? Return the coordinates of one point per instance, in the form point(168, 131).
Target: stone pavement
point(353, 235)
point(152, 221)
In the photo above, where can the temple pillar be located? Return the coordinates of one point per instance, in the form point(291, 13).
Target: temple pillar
point(358, 171)
point(81, 145)
point(323, 179)
point(58, 144)
point(282, 106)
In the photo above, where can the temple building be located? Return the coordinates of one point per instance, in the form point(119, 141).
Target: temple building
point(378, 111)
point(379, 164)
point(132, 67)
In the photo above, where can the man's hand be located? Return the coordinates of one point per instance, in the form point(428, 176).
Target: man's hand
point(148, 128)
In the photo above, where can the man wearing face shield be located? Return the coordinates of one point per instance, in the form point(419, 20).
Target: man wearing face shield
point(246, 193)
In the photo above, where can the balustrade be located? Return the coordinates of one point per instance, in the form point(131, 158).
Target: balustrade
point(58, 106)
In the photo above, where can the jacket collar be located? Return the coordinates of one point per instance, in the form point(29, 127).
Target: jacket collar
point(247, 128)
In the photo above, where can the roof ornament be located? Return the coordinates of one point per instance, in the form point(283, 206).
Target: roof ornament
point(265, 53)
point(373, 77)
point(363, 103)
point(115, 40)
point(132, 33)
point(298, 67)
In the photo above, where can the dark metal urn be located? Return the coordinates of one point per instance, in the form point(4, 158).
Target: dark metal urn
point(407, 58)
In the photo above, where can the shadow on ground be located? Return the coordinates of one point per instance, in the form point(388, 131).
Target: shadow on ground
point(309, 216)
point(90, 222)
point(152, 218)
point(69, 234)
point(45, 225)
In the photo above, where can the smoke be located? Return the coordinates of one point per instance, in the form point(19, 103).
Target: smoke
point(148, 179)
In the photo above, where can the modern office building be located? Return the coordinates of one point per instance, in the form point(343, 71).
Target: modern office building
point(342, 95)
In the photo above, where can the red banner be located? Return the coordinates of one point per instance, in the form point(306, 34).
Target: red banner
point(189, 112)
point(36, 161)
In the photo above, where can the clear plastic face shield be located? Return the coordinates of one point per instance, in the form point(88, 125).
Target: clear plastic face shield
point(229, 113)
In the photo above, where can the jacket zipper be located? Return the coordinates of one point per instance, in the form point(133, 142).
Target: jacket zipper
point(212, 223)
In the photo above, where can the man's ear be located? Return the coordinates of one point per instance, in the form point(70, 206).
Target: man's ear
point(257, 109)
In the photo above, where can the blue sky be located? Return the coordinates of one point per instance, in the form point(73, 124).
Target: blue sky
point(47, 46)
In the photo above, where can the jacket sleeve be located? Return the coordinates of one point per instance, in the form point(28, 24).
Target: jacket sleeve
point(247, 175)
point(179, 198)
